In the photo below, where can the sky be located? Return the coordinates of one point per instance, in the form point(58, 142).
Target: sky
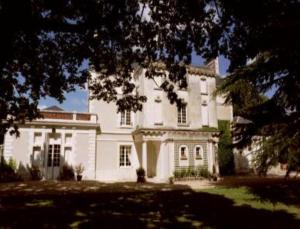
point(78, 100)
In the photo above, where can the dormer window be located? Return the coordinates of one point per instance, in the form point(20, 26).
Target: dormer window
point(126, 118)
point(182, 114)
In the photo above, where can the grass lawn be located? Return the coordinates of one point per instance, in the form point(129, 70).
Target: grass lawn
point(233, 203)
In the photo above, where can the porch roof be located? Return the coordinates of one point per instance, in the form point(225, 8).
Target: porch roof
point(171, 133)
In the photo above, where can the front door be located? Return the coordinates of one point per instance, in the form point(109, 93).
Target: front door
point(53, 157)
point(53, 161)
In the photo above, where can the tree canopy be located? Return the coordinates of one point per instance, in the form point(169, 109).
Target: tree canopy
point(45, 42)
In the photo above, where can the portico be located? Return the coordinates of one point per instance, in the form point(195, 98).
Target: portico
point(159, 150)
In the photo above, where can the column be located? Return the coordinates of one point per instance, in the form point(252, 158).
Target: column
point(144, 155)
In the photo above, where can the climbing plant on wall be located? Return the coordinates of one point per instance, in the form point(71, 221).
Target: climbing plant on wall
point(225, 150)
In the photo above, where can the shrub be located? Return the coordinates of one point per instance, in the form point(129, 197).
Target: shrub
point(8, 171)
point(79, 169)
point(203, 172)
point(67, 173)
point(192, 172)
point(141, 173)
point(35, 172)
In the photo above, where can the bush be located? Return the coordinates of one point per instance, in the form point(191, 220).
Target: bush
point(192, 172)
point(8, 171)
point(67, 173)
point(35, 172)
point(141, 173)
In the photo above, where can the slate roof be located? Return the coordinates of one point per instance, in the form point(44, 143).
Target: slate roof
point(53, 108)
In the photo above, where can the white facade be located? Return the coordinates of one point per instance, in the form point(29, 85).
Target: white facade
point(61, 138)
point(155, 136)
point(111, 145)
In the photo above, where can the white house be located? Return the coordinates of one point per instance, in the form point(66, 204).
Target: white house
point(61, 137)
point(162, 138)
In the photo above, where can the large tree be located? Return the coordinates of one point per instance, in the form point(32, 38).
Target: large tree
point(44, 43)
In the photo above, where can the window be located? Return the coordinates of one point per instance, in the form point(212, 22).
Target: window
point(183, 152)
point(38, 138)
point(198, 153)
point(204, 112)
point(126, 118)
point(203, 86)
point(125, 152)
point(158, 120)
point(53, 155)
point(182, 114)
point(68, 139)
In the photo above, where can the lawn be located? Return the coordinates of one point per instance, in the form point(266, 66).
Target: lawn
point(233, 203)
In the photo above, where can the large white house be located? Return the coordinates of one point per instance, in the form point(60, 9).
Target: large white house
point(162, 138)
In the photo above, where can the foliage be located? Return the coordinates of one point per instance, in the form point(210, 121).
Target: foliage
point(192, 171)
point(141, 173)
point(43, 51)
point(35, 172)
point(79, 169)
point(225, 150)
point(12, 163)
point(266, 38)
point(8, 171)
point(67, 173)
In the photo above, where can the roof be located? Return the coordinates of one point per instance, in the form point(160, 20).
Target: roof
point(203, 70)
point(53, 108)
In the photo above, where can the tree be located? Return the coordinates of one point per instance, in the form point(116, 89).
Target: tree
point(264, 54)
point(44, 43)
point(225, 150)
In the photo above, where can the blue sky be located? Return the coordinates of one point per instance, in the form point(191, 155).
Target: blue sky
point(78, 100)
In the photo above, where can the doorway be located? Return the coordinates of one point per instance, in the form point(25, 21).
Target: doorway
point(53, 157)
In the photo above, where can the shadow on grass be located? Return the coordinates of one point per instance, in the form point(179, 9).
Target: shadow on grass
point(128, 205)
point(272, 189)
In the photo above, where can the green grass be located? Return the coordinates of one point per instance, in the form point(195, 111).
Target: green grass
point(243, 196)
point(257, 203)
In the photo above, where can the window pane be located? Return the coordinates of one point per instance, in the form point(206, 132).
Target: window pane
point(182, 114)
point(49, 159)
point(128, 118)
point(125, 152)
point(56, 155)
point(122, 159)
point(122, 118)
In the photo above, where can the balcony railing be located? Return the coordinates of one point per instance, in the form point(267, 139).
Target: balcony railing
point(65, 116)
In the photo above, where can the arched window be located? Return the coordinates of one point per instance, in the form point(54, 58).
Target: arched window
point(183, 152)
point(198, 155)
point(183, 155)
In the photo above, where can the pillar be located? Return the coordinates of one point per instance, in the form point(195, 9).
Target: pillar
point(144, 155)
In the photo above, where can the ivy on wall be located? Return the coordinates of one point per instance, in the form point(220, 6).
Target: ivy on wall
point(225, 150)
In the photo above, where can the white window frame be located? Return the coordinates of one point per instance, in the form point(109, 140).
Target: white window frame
point(127, 156)
point(205, 108)
point(201, 151)
point(186, 156)
point(203, 86)
point(182, 114)
point(126, 118)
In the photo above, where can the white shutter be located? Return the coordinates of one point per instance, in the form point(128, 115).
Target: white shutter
point(204, 112)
